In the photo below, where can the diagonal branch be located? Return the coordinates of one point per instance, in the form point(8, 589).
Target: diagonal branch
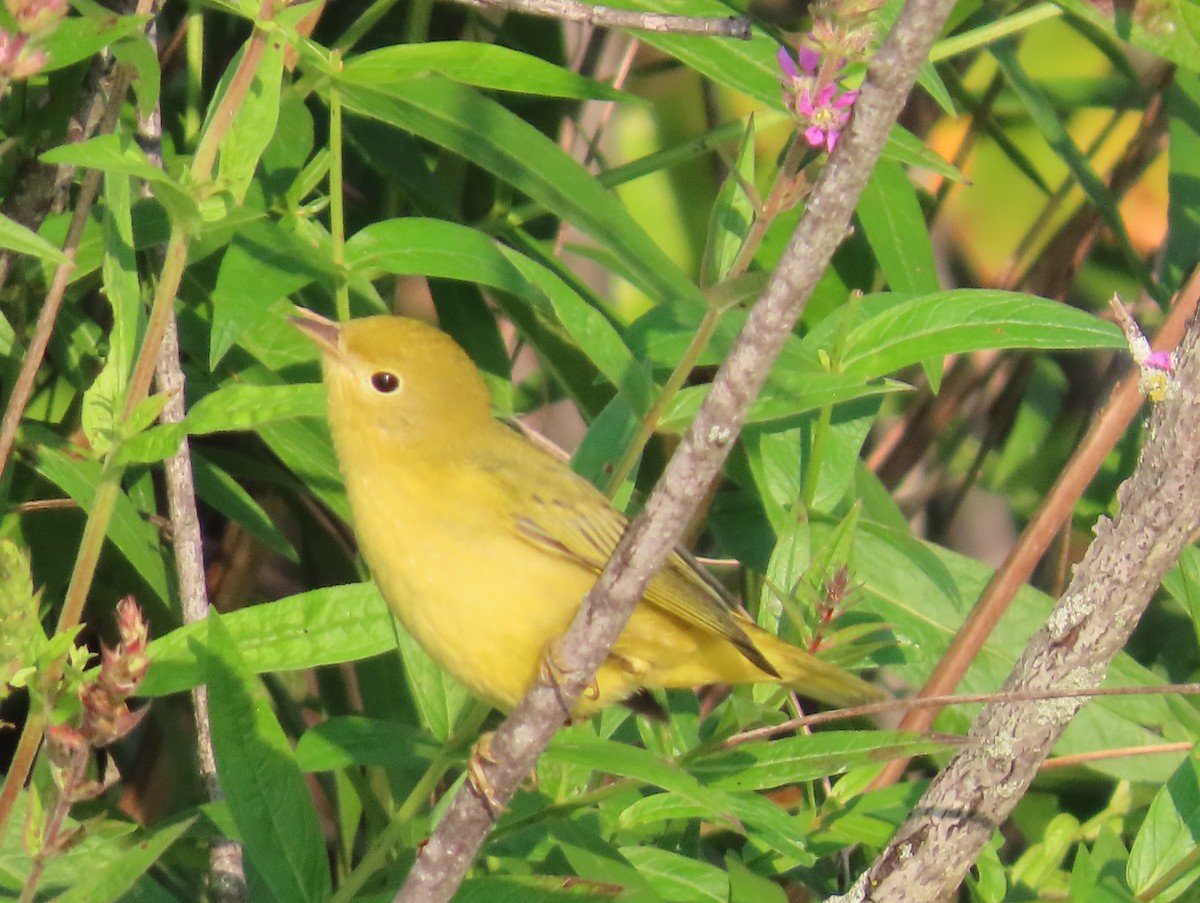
point(444, 859)
point(974, 794)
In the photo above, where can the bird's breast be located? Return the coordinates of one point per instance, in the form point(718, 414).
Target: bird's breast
point(446, 556)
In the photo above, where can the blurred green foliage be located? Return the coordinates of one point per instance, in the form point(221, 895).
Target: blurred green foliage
point(574, 236)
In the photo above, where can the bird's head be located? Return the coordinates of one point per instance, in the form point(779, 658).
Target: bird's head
point(396, 375)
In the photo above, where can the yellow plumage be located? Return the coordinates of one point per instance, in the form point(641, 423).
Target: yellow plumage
point(484, 545)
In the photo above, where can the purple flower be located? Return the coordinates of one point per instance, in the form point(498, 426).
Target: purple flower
point(17, 59)
point(786, 63)
point(1161, 360)
point(815, 98)
point(34, 17)
point(827, 113)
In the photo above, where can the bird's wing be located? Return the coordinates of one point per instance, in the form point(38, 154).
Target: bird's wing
point(568, 516)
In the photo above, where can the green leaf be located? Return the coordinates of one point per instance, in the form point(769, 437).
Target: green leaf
point(732, 214)
point(906, 148)
point(788, 394)
point(254, 122)
point(262, 783)
point(591, 331)
point(478, 64)
point(1170, 29)
point(1168, 842)
point(18, 238)
point(1183, 178)
point(352, 740)
point(1040, 862)
point(78, 38)
point(620, 759)
point(233, 407)
point(440, 699)
point(595, 858)
point(114, 153)
point(263, 263)
point(306, 449)
point(241, 406)
point(482, 131)
point(136, 538)
point(898, 332)
point(21, 636)
point(139, 54)
point(114, 880)
point(894, 224)
point(226, 495)
point(1183, 583)
point(746, 886)
point(436, 248)
point(791, 760)
point(103, 400)
point(319, 627)
point(431, 247)
point(923, 593)
point(1046, 118)
point(757, 818)
point(1094, 874)
point(748, 67)
point(678, 878)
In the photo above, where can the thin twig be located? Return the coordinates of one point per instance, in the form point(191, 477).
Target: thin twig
point(929, 702)
point(443, 861)
point(1009, 741)
point(1125, 752)
point(607, 17)
point(227, 874)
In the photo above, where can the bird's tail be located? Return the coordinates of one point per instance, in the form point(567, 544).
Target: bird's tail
point(808, 675)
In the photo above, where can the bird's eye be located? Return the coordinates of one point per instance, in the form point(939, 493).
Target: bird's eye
point(385, 382)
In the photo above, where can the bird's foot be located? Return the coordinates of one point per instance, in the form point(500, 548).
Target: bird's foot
point(481, 755)
point(553, 673)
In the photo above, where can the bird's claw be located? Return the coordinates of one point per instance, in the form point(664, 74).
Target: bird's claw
point(553, 674)
point(481, 755)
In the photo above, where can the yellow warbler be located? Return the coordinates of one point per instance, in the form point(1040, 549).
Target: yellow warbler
point(484, 545)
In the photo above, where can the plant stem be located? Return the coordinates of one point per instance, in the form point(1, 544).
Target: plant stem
point(337, 198)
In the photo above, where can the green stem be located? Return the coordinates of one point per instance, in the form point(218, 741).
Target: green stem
point(649, 423)
point(771, 208)
point(1172, 875)
point(337, 200)
point(363, 24)
point(708, 325)
point(194, 53)
point(813, 471)
point(21, 765)
point(994, 31)
point(416, 28)
point(376, 857)
point(235, 96)
point(825, 418)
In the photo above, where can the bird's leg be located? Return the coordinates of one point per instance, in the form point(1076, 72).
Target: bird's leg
point(552, 673)
point(481, 754)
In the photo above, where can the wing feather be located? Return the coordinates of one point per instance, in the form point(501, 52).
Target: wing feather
point(569, 517)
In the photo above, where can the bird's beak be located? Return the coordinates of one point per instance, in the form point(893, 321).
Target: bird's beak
point(322, 332)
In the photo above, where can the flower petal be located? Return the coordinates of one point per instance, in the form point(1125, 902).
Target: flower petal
point(809, 60)
point(786, 63)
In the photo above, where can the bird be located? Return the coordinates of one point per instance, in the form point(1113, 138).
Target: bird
point(483, 544)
